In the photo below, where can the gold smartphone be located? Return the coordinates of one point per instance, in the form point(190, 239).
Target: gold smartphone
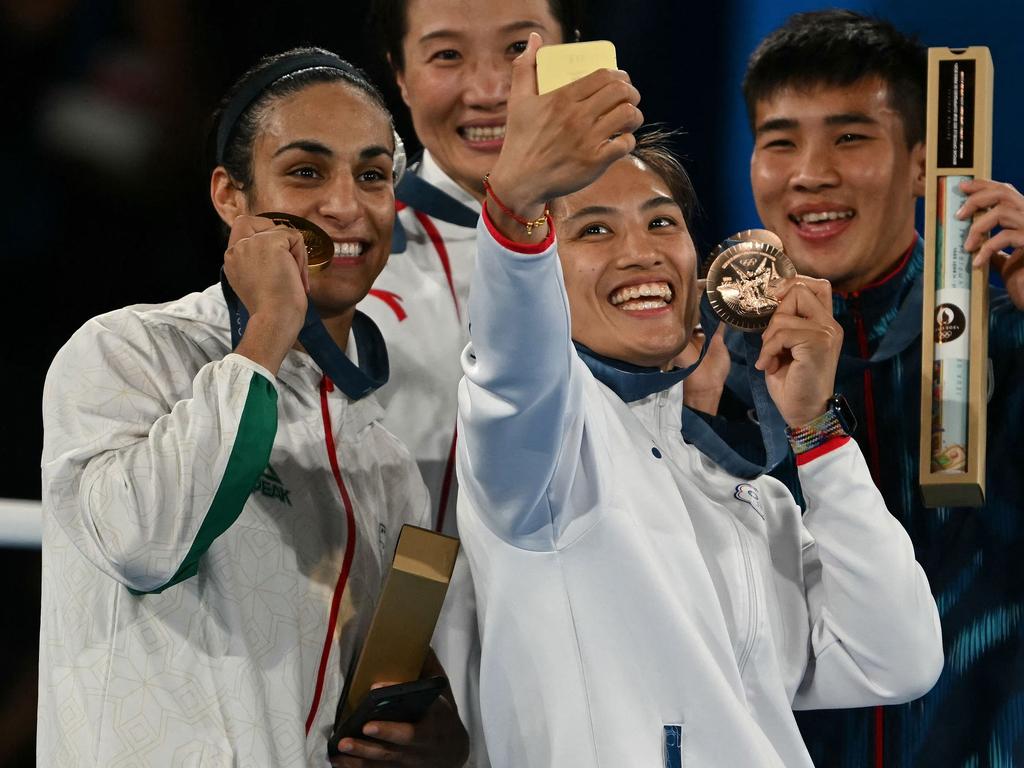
point(559, 65)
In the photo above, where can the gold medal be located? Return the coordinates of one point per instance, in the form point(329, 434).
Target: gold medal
point(742, 276)
point(319, 246)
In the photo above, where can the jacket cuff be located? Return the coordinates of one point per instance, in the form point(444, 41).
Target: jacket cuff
point(827, 447)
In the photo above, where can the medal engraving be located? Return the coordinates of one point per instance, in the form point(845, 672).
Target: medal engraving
point(758, 235)
point(742, 277)
point(319, 246)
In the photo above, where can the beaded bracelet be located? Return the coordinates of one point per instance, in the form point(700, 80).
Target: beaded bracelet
point(815, 433)
point(530, 225)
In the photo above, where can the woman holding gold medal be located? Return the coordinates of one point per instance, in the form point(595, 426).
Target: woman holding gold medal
point(220, 500)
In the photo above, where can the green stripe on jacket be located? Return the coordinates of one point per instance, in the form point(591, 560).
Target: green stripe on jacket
point(250, 455)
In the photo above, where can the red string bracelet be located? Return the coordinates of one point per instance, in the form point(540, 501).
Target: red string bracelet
point(530, 225)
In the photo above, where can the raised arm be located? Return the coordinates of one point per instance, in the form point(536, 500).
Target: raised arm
point(150, 451)
point(875, 635)
point(518, 392)
point(140, 476)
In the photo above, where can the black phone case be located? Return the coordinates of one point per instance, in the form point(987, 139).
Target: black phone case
point(404, 703)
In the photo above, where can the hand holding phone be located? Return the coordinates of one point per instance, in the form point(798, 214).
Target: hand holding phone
point(559, 141)
point(405, 702)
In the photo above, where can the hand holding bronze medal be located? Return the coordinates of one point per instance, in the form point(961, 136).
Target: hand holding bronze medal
point(744, 271)
point(319, 246)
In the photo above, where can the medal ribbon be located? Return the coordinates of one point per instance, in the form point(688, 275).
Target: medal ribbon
point(749, 384)
point(632, 382)
point(424, 197)
point(902, 331)
point(356, 381)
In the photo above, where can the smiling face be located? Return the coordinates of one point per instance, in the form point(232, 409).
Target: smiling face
point(832, 175)
point(325, 153)
point(629, 266)
point(455, 80)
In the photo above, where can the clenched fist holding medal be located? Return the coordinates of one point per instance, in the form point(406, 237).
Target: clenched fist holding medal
point(319, 246)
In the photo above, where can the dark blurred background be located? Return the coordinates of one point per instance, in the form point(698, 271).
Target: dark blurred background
point(106, 105)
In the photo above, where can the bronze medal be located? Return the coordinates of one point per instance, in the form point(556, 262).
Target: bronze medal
point(741, 279)
point(319, 246)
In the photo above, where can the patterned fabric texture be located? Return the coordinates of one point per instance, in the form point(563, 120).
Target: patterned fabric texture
point(201, 604)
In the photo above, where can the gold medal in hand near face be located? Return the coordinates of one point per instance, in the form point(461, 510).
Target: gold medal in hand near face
point(744, 270)
point(319, 246)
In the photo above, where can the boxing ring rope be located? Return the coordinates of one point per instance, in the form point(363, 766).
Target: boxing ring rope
point(21, 523)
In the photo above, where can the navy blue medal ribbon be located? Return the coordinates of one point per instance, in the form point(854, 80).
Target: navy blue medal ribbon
point(904, 329)
point(632, 382)
point(356, 381)
point(902, 332)
point(424, 197)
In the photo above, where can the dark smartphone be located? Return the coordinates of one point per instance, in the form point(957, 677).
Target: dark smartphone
point(403, 703)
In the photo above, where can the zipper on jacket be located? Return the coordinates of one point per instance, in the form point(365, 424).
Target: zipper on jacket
point(752, 591)
point(753, 614)
point(869, 390)
point(874, 464)
point(442, 252)
point(326, 386)
point(446, 481)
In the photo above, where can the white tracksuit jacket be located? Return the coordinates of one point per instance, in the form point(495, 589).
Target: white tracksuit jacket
point(155, 468)
point(419, 304)
point(625, 583)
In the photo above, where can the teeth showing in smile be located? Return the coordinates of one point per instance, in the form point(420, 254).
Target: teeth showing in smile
point(813, 217)
point(348, 250)
point(634, 298)
point(483, 133)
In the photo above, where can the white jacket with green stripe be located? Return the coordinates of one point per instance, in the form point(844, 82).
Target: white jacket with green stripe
point(194, 538)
